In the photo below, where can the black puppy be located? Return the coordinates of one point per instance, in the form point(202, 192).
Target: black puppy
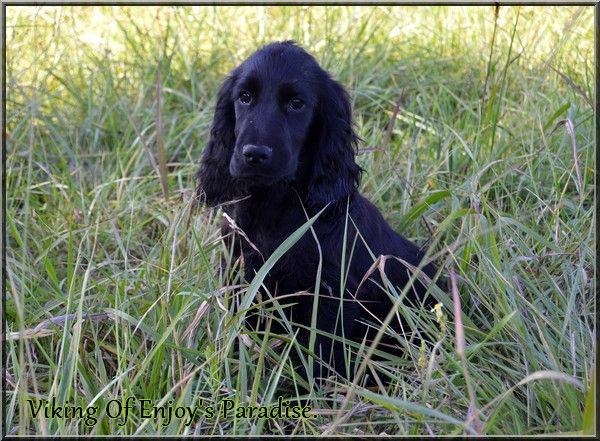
point(282, 145)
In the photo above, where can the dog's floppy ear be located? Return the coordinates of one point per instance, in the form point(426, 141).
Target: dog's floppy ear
point(215, 183)
point(335, 173)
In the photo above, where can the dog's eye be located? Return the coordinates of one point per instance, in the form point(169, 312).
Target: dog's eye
point(296, 105)
point(245, 97)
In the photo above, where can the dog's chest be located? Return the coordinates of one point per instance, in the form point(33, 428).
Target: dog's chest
point(297, 266)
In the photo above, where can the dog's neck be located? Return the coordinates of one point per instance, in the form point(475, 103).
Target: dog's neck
point(266, 203)
point(262, 208)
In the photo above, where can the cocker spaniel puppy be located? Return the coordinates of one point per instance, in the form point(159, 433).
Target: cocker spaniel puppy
point(282, 147)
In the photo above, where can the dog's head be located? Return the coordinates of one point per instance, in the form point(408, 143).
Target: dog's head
point(280, 117)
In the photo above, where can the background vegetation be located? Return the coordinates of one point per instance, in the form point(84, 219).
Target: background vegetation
point(114, 284)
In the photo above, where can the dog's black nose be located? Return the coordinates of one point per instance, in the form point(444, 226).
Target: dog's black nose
point(256, 154)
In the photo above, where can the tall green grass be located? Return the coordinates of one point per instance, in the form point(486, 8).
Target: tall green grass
point(478, 133)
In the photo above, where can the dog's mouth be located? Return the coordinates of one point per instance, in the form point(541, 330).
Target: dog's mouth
point(254, 176)
point(259, 180)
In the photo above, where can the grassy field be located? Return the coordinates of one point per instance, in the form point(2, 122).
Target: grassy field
point(114, 284)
